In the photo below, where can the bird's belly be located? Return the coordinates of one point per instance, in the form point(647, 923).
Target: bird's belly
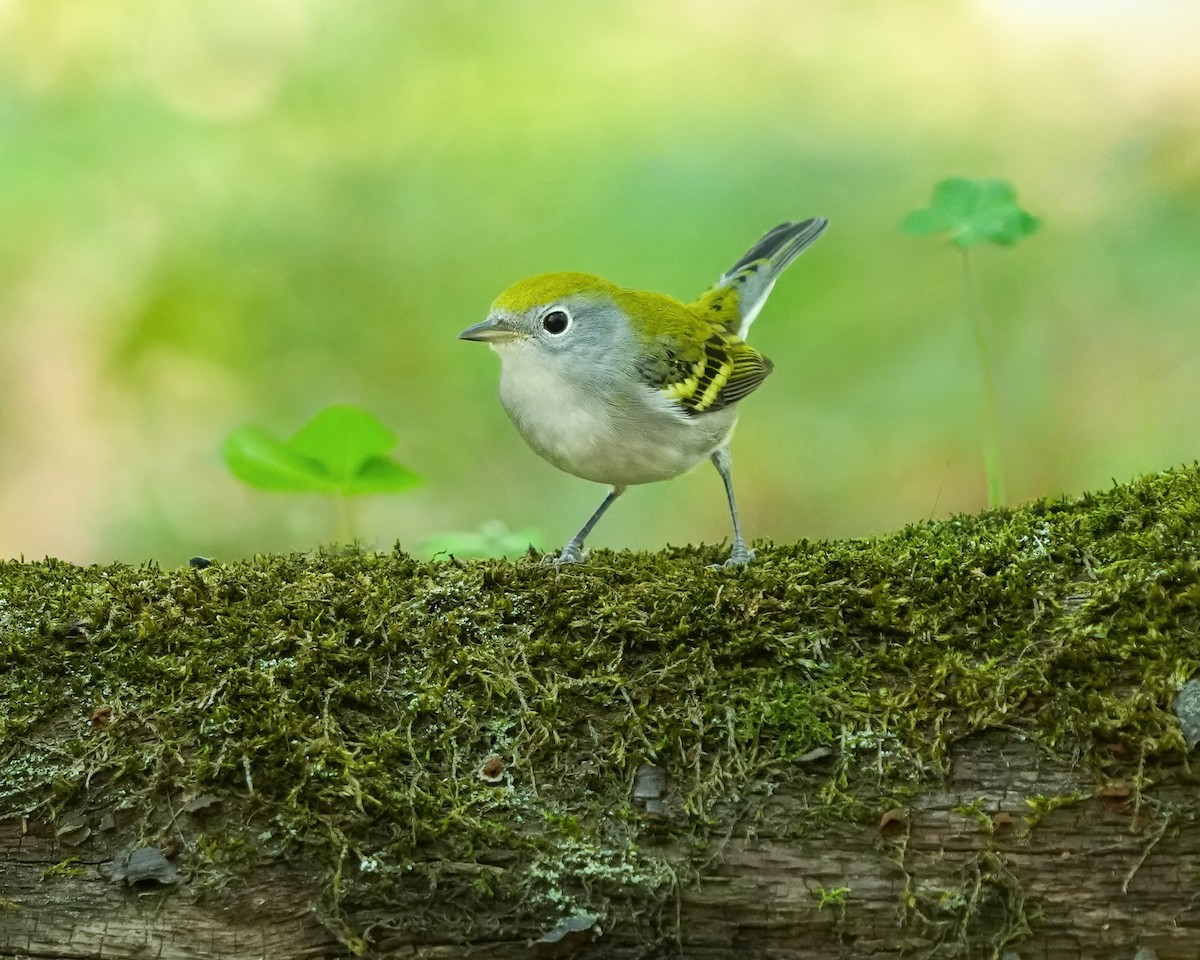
point(621, 441)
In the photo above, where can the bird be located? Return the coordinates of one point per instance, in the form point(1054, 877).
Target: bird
point(624, 387)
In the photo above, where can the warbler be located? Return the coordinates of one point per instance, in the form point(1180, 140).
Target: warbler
point(624, 386)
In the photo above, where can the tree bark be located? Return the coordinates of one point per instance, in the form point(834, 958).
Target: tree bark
point(968, 869)
point(956, 742)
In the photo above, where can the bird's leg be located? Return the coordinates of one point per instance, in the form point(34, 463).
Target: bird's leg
point(740, 555)
point(573, 552)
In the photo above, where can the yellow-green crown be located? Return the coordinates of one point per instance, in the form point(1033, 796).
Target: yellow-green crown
point(548, 288)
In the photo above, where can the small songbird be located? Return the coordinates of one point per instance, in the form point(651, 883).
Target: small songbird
point(624, 386)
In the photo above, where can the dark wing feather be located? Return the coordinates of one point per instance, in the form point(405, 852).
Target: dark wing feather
point(723, 371)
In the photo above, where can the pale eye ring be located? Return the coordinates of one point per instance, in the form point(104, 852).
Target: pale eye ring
point(555, 322)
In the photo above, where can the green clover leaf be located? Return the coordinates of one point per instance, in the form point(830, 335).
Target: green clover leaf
point(342, 450)
point(972, 212)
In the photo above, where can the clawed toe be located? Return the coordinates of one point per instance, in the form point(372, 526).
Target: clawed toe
point(571, 553)
point(740, 556)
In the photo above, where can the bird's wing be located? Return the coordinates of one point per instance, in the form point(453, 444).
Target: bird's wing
point(708, 374)
point(736, 298)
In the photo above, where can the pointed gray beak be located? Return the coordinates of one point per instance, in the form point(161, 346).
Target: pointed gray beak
point(492, 330)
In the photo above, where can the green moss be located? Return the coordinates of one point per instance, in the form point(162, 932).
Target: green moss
point(980, 916)
point(69, 868)
point(834, 897)
point(343, 706)
point(1040, 805)
point(977, 813)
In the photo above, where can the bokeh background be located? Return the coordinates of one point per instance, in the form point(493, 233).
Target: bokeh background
point(215, 212)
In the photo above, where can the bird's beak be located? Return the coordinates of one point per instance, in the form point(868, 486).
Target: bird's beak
point(492, 330)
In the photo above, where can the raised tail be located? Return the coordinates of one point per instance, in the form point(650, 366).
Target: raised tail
point(737, 297)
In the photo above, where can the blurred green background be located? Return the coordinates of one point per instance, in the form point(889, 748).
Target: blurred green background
point(226, 211)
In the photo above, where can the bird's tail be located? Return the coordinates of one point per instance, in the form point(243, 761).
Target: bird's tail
point(743, 288)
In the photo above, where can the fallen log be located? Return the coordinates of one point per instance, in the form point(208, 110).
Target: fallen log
point(966, 739)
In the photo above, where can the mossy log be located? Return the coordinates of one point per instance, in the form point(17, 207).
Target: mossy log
point(960, 740)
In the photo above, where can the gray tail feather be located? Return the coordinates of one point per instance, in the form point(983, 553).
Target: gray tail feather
point(783, 244)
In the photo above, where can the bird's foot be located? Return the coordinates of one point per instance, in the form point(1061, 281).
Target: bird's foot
point(571, 553)
point(738, 557)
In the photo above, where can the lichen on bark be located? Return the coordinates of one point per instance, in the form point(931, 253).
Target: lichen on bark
point(340, 709)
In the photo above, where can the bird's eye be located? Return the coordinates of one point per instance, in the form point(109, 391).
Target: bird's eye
point(556, 322)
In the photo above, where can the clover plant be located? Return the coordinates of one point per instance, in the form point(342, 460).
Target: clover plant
point(342, 452)
point(974, 212)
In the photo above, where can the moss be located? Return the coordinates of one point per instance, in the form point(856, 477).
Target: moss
point(1039, 806)
point(978, 917)
point(976, 812)
point(69, 868)
point(343, 706)
point(833, 897)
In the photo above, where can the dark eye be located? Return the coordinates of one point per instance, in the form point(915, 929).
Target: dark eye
point(556, 322)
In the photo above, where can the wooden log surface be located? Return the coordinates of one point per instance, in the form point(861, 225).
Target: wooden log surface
point(957, 742)
point(969, 869)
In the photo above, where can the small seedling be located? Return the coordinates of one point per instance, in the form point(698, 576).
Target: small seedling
point(492, 539)
point(834, 897)
point(974, 212)
point(342, 452)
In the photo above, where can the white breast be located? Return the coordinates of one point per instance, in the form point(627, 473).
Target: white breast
point(616, 436)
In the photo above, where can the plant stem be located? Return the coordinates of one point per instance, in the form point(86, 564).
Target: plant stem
point(983, 342)
point(345, 522)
